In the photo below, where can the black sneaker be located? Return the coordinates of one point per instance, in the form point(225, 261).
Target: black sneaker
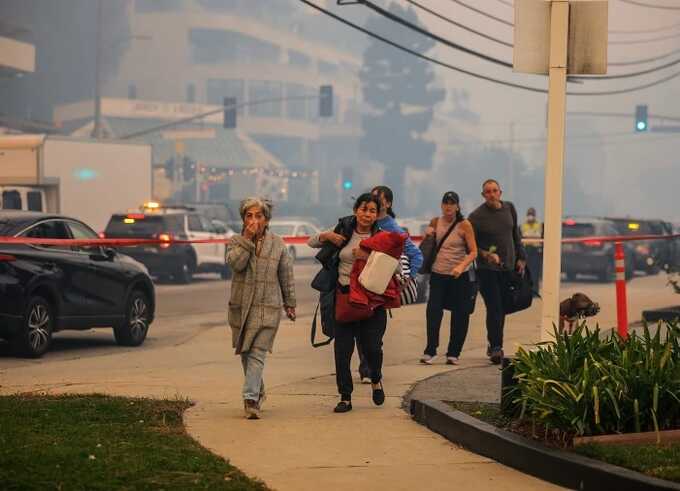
point(496, 357)
point(343, 407)
point(379, 395)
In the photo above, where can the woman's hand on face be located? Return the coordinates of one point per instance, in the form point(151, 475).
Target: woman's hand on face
point(332, 237)
point(359, 253)
point(251, 230)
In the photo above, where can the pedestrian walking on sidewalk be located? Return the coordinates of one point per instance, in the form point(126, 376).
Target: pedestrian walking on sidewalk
point(344, 241)
point(533, 229)
point(262, 285)
point(452, 281)
point(500, 251)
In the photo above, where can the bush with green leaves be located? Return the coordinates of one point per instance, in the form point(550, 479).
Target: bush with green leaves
point(589, 384)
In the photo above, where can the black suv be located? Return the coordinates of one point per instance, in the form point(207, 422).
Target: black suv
point(179, 261)
point(650, 256)
point(44, 289)
point(592, 257)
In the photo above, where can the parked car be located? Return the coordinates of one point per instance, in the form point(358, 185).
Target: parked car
point(179, 261)
point(650, 256)
point(592, 257)
point(296, 228)
point(45, 289)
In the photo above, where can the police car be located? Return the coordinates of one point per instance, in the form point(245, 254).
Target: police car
point(167, 223)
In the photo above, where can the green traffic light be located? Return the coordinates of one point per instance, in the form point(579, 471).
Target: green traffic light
point(641, 126)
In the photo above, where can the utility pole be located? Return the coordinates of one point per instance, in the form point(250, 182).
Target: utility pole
point(554, 169)
point(97, 130)
point(511, 164)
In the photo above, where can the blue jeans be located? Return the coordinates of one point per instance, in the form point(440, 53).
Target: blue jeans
point(253, 366)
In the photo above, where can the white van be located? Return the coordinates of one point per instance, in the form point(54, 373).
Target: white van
point(25, 198)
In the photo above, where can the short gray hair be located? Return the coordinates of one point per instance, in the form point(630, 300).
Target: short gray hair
point(256, 202)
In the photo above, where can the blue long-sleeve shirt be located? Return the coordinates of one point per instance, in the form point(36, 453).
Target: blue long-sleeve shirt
point(415, 257)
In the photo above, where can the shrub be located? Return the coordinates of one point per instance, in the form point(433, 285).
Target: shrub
point(589, 384)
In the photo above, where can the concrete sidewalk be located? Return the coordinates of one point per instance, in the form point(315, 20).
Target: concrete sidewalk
point(300, 443)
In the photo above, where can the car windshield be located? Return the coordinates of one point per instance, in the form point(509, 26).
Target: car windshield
point(135, 225)
point(578, 230)
point(282, 229)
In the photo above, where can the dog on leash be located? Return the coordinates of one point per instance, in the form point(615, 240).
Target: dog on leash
point(575, 308)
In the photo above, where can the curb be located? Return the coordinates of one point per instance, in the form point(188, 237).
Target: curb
point(555, 466)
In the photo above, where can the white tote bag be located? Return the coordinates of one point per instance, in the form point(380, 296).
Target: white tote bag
point(379, 270)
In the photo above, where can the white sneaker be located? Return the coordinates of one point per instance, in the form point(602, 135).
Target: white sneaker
point(365, 380)
point(427, 359)
point(452, 360)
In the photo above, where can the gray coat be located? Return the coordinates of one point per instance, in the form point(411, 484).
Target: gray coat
point(260, 287)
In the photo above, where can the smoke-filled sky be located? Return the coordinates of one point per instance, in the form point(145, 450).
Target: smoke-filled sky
point(620, 172)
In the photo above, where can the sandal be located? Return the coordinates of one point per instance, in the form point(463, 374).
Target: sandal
point(379, 395)
point(343, 407)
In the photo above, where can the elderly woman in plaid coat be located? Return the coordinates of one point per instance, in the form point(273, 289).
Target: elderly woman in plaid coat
point(262, 285)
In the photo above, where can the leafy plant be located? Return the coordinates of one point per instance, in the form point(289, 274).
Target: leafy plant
point(588, 384)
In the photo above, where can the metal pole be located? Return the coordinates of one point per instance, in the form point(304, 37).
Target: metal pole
point(97, 130)
point(621, 300)
point(554, 168)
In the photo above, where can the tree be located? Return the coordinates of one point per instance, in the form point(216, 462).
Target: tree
point(397, 87)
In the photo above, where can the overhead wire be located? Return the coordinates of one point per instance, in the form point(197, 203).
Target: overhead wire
point(425, 32)
point(475, 74)
point(510, 45)
point(649, 5)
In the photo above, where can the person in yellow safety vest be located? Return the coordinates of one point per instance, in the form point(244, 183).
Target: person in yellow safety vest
point(533, 229)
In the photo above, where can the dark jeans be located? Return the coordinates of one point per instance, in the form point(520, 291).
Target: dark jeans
point(535, 264)
point(490, 283)
point(370, 334)
point(451, 293)
point(363, 362)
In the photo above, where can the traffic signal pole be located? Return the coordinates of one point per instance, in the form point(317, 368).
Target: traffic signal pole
point(554, 169)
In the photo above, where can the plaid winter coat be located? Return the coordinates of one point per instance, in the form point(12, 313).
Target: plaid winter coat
point(260, 287)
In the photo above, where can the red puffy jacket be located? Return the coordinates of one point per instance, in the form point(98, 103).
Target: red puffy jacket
point(391, 243)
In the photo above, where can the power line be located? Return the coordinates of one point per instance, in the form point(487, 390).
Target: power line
point(458, 24)
point(508, 23)
point(481, 12)
point(645, 41)
point(425, 32)
point(649, 5)
point(510, 45)
point(478, 75)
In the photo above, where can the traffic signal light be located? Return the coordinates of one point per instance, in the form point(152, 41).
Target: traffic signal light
point(347, 178)
point(230, 112)
point(641, 118)
point(188, 169)
point(326, 101)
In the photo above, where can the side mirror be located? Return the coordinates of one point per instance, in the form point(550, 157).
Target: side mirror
point(110, 253)
point(104, 254)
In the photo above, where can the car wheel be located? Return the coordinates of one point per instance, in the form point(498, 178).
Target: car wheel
point(133, 329)
point(292, 253)
point(35, 336)
point(185, 272)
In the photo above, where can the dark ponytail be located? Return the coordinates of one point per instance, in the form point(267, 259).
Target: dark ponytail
point(387, 193)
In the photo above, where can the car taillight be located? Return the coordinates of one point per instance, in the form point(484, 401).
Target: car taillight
point(102, 235)
point(593, 243)
point(165, 240)
point(5, 258)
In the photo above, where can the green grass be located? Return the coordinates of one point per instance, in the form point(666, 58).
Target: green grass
point(661, 461)
point(101, 442)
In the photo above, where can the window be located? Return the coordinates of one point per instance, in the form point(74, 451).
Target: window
point(297, 109)
point(11, 200)
point(264, 90)
point(53, 229)
point(80, 231)
point(206, 225)
point(132, 91)
point(218, 89)
point(195, 224)
point(191, 93)
point(216, 46)
point(34, 199)
point(297, 59)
